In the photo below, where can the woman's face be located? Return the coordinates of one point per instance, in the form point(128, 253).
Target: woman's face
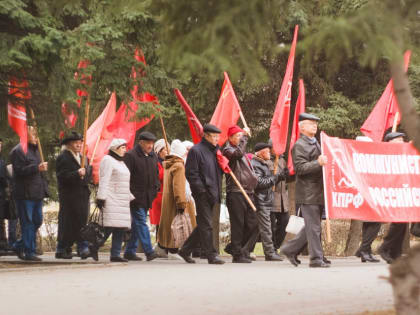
point(121, 150)
point(163, 153)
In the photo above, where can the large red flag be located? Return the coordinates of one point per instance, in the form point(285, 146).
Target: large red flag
point(196, 129)
point(383, 114)
point(227, 110)
point(280, 124)
point(19, 89)
point(223, 162)
point(300, 108)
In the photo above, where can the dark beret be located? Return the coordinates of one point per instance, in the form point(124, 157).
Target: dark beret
point(306, 116)
point(261, 145)
point(211, 128)
point(72, 136)
point(146, 135)
point(393, 135)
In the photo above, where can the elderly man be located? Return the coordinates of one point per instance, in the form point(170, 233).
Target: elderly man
point(142, 163)
point(308, 163)
point(205, 177)
point(30, 188)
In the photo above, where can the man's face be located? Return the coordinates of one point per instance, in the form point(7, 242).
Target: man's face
point(264, 154)
point(75, 146)
point(397, 140)
point(1, 144)
point(32, 137)
point(235, 139)
point(211, 137)
point(146, 145)
point(309, 127)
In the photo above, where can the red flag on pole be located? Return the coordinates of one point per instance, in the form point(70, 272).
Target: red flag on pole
point(383, 114)
point(300, 108)
point(196, 129)
point(280, 123)
point(223, 162)
point(227, 110)
point(19, 89)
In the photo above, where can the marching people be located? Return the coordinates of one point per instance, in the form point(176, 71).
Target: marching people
point(114, 196)
point(144, 185)
point(308, 162)
point(30, 189)
point(174, 199)
point(73, 195)
point(264, 197)
point(205, 177)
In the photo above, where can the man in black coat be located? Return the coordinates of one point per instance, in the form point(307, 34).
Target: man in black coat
point(142, 163)
point(308, 163)
point(73, 195)
point(205, 178)
point(3, 203)
point(30, 188)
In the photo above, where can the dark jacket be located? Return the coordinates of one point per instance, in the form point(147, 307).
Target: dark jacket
point(3, 186)
point(29, 183)
point(281, 195)
point(309, 185)
point(241, 167)
point(264, 194)
point(203, 172)
point(144, 176)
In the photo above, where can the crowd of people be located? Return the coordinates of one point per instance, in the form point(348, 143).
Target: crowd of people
point(159, 180)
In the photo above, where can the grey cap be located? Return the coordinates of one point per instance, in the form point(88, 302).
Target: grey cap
point(393, 135)
point(211, 128)
point(306, 116)
point(146, 135)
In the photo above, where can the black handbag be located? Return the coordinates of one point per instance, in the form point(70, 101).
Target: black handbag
point(415, 229)
point(94, 232)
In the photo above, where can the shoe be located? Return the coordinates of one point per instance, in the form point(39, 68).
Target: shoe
point(273, 257)
point(132, 257)
point(186, 257)
point(365, 256)
point(63, 256)
point(318, 264)
point(160, 252)
point(118, 259)
point(241, 260)
point(228, 249)
point(291, 259)
point(373, 259)
point(94, 254)
point(386, 256)
point(32, 258)
point(151, 256)
point(216, 261)
point(19, 253)
point(297, 260)
point(325, 260)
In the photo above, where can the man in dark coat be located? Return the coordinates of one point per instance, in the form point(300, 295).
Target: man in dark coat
point(205, 178)
point(308, 163)
point(73, 195)
point(3, 204)
point(144, 185)
point(264, 197)
point(30, 188)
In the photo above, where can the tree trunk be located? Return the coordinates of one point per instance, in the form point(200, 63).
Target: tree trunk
point(353, 238)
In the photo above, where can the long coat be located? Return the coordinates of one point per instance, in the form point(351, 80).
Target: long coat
point(73, 196)
point(281, 194)
point(114, 188)
point(156, 209)
point(174, 198)
point(3, 186)
point(264, 194)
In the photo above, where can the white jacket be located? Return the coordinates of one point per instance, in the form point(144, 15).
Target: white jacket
point(114, 188)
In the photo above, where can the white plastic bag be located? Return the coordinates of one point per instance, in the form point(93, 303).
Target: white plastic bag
point(296, 224)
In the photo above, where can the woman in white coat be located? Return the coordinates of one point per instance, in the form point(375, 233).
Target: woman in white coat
point(114, 196)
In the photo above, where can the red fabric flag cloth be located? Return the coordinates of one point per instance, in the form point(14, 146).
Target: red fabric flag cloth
point(70, 117)
point(223, 162)
point(196, 129)
point(98, 138)
point(227, 110)
point(84, 80)
point(280, 123)
point(383, 114)
point(16, 110)
point(299, 108)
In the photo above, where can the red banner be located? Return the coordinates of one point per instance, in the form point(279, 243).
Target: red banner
point(371, 181)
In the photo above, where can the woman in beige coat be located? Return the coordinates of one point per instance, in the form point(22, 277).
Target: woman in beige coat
point(174, 198)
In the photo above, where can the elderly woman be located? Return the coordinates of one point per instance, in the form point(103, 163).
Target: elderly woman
point(175, 199)
point(114, 196)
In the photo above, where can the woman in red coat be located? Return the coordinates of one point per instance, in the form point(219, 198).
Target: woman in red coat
point(161, 152)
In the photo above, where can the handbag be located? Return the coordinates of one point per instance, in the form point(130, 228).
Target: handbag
point(181, 228)
point(415, 229)
point(94, 232)
point(295, 224)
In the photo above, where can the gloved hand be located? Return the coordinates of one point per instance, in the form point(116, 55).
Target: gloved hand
point(285, 173)
point(180, 211)
point(100, 203)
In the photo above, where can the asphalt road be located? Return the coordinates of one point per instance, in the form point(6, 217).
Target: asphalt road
point(174, 287)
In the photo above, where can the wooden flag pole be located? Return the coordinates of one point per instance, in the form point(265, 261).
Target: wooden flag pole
point(243, 191)
point(85, 128)
point(41, 153)
point(395, 124)
point(244, 121)
point(164, 134)
point(276, 164)
point(94, 149)
point(328, 226)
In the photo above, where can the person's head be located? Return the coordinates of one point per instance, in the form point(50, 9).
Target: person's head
point(396, 137)
point(32, 136)
point(73, 142)
point(160, 149)
point(262, 150)
point(147, 141)
point(188, 145)
point(211, 134)
point(235, 134)
point(178, 149)
point(1, 144)
point(118, 146)
point(308, 124)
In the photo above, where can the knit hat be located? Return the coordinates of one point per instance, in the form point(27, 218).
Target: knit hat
point(188, 144)
point(159, 145)
point(116, 143)
point(178, 149)
point(233, 130)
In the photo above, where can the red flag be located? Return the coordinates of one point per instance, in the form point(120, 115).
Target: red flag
point(223, 162)
point(84, 80)
point(227, 110)
point(383, 114)
point(300, 108)
point(98, 137)
point(19, 89)
point(280, 124)
point(196, 129)
point(70, 117)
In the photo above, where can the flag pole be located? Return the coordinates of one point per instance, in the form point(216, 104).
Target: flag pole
point(244, 121)
point(85, 128)
point(395, 124)
point(164, 133)
point(37, 136)
point(94, 149)
point(243, 191)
